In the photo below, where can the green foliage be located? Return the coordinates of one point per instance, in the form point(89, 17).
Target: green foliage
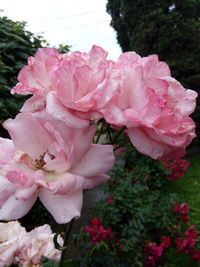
point(46, 262)
point(188, 188)
point(169, 28)
point(141, 210)
point(16, 46)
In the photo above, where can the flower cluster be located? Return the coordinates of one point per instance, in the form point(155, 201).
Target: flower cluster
point(136, 92)
point(97, 232)
point(26, 248)
point(187, 244)
point(183, 210)
point(177, 168)
point(52, 155)
point(155, 252)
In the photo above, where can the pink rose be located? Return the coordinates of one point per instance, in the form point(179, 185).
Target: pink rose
point(49, 160)
point(35, 244)
point(154, 107)
point(11, 234)
point(73, 86)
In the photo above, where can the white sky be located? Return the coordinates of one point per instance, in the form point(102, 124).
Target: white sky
point(75, 22)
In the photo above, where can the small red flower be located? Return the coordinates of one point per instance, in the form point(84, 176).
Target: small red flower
point(121, 150)
point(187, 245)
point(97, 232)
point(95, 222)
point(166, 241)
point(184, 218)
point(184, 209)
point(177, 168)
point(196, 255)
point(110, 200)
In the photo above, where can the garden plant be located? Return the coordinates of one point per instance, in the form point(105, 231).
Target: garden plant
point(82, 111)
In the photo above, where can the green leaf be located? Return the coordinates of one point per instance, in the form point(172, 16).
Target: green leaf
point(46, 262)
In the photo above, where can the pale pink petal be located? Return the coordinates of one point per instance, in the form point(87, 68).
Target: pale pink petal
point(91, 182)
point(59, 112)
point(37, 76)
point(7, 150)
point(6, 189)
point(28, 135)
point(187, 105)
point(114, 115)
point(63, 183)
point(128, 58)
point(34, 103)
point(63, 208)
point(146, 145)
point(25, 193)
point(13, 208)
point(133, 93)
point(65, 81)
point(95, 55)
point(98, 159)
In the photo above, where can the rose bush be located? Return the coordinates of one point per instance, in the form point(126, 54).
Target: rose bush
point(51, 154)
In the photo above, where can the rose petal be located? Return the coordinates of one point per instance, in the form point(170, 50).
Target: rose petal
point(63, 208)
point(13, 208)
point(98, 159)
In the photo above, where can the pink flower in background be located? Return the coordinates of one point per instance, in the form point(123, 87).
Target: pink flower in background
point(183, 210)
point(187, 245)
point(35, 244)
point(49, 160)
point(73, 86)
point(26, 248)
point(153, 253)
point(154, 106)
point(11, 234)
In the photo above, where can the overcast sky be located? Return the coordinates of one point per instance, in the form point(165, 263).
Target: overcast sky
point(77, 23)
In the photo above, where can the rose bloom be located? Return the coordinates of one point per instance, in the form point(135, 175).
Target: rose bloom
point(10, 235)
point(73, 87)
point(49, 160)
point(153, 105)
point(37, 243)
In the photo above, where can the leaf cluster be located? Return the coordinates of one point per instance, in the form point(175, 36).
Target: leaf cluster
point(16, 46)
point(139, 211)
